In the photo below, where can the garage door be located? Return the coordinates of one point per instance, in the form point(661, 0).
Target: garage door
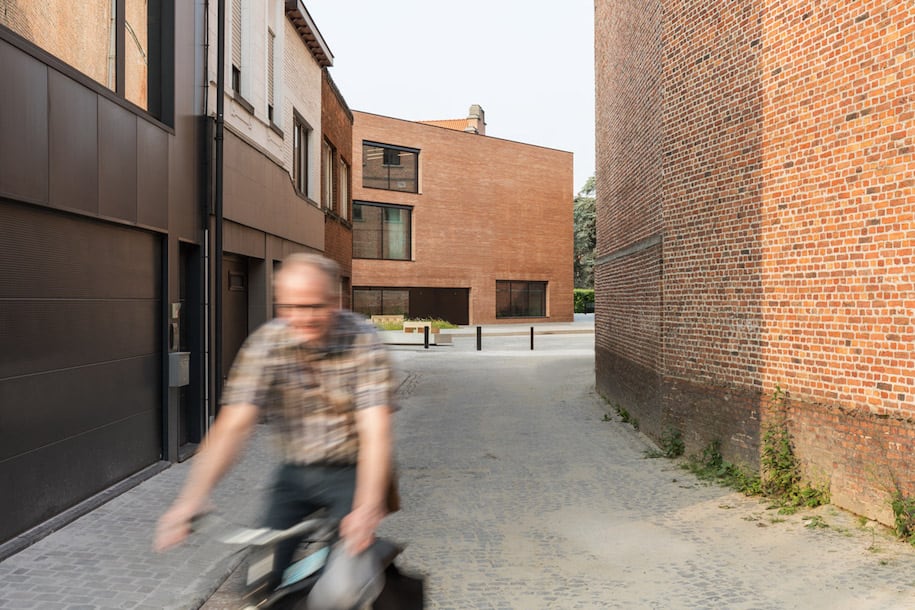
point(80, 366)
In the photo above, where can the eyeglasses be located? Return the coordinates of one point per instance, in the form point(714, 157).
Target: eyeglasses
point(316, 307)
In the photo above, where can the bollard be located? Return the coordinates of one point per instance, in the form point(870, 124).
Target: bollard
point(426, 337)
point(479, 338)
point(532, 337)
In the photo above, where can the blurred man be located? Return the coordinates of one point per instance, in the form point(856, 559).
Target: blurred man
point(321, 375)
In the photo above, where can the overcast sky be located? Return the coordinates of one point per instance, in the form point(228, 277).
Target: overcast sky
point(528, 63)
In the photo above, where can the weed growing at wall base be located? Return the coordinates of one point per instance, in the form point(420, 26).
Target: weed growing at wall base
point(671, 445)
point(711, 466)
point(625, 416)
point(904, 514)
point(780, 471)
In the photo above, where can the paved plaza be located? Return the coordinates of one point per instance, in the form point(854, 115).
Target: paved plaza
point(518, 494)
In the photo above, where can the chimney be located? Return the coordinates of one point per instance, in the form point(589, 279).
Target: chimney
point(476, 123)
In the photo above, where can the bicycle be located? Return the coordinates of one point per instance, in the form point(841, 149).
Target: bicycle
point(316, 577)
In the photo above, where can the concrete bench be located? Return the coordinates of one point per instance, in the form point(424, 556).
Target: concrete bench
point(417, 327)
point(387, 319)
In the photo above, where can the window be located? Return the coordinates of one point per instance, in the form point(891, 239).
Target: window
point(393, 168)
point(381, 301)
point(236, 46)
point(520, 299)
point(125, 50)
point(271, 49)
point(343, 198)
point(381, 231)
point(300, 136)
point(327, 182)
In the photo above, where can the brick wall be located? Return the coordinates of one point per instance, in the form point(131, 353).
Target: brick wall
point(782, 200)
point(488, 209)
point(337, 127)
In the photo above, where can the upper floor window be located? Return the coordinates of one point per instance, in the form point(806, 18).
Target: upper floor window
point(271, 52)
point(236, 46)
point(516, 299)
point(343, 198)
point(124, 50)
point(394, 168)
point(381, 231)
point(300, 136)
point(327, 181)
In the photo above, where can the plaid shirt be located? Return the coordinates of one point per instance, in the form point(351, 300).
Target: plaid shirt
point(313, 393)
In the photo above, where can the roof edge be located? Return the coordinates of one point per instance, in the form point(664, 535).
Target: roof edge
point(309, 33)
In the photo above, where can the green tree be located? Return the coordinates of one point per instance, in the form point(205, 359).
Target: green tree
point(585, 218)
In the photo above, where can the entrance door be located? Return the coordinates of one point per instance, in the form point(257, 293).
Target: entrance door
point(190, 322)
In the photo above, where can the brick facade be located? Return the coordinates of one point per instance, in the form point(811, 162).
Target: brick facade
point(755, 229)
point(337, 127)
point(487, 209)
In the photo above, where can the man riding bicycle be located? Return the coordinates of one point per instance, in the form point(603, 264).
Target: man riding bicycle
point(323, 377)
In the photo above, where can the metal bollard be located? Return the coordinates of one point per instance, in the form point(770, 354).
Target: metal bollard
point(479, 338)
point(426, 337)
point(532, 337)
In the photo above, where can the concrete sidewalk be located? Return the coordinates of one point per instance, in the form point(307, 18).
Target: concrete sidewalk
point(103, 560)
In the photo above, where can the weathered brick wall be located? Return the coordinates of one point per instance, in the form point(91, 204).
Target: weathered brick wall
point(629, 224)
point(786, 198)
point(838, 236)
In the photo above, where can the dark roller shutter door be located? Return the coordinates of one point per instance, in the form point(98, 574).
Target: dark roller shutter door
point(80, 364)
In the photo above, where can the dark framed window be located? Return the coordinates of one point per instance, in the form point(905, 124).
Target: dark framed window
point(123, 45)
point(381, 301)
point(382, 231)
point(389, 167)
point(516, 299)
point(300, 135)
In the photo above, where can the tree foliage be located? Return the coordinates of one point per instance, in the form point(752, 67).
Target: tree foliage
point(585, 218)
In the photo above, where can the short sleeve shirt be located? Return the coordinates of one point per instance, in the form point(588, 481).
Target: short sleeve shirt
point(312, 394)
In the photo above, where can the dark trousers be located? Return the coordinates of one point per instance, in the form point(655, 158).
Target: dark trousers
point(298, 491)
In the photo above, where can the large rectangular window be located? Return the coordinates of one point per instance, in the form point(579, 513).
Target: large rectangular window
point(300, 135)
point(119, 44)
point(381, 301)
point(516, 299)
point(381, 231)
point(393, 168)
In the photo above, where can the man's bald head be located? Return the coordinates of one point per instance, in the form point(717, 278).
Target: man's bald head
point(307, 289)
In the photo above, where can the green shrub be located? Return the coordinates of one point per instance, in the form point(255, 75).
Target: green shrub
point(584, 300)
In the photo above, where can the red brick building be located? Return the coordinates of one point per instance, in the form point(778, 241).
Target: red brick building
point(452, 224)
point(336, 184)
point(755, 191)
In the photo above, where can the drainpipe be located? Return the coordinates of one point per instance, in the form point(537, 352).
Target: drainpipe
point(217, 195)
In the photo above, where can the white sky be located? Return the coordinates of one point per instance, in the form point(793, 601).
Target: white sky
point(528, 63)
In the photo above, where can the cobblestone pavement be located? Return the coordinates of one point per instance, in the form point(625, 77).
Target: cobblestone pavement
point(517, 495)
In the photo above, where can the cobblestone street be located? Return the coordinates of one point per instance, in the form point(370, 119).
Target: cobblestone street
point(518, 495)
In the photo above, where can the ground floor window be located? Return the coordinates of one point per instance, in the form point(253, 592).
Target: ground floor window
point(381, 301)
point(516, 299)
